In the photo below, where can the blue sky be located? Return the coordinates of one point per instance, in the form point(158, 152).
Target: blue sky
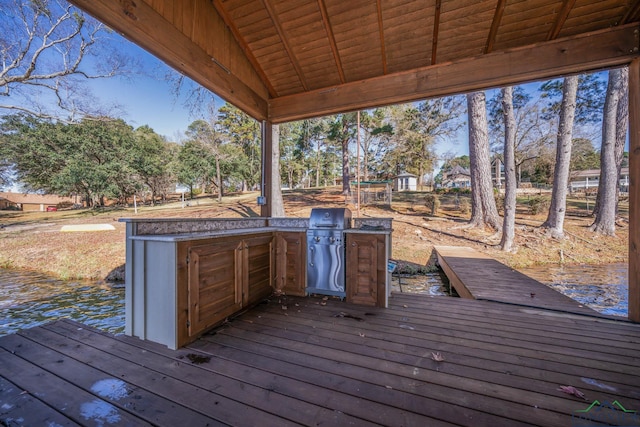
point(147, 99)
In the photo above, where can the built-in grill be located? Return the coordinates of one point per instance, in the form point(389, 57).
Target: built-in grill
point(326, 251)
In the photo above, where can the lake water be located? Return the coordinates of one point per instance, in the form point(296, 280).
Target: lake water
point(604, 288)
point(29, 299)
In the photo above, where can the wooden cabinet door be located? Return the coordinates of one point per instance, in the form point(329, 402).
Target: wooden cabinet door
point(291, 263)
point(214, 283)
point(365, 256)
point(257, 259)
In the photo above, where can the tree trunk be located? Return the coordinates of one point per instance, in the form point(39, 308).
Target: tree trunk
point(484, 211)
point(318, 163)
point(510, 183)
point(622, 124)
point(557, 210)
point(219, 178)
point(605, 221)
point(346, 176)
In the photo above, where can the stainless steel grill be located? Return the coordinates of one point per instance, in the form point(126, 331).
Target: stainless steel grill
point(326, 251)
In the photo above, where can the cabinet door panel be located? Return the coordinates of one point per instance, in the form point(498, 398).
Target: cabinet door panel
point(258, 269)
point(291, 259)
point(215, 284)
point(363, 257)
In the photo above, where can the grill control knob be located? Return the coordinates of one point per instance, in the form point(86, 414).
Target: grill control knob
point(332, 239)
point(317, 238)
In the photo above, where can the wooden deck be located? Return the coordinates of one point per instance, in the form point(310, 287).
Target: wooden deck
point(295, 361)
point(477, 276)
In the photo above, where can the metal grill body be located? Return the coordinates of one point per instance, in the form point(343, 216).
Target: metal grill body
point(326, 251)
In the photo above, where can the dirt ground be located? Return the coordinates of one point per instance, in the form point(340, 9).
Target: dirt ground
point(34, 240)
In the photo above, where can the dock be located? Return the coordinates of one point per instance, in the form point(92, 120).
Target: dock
point(425, 360)
point(477, 276)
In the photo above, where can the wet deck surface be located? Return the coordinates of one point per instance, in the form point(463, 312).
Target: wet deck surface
point(296, 361)
point(477, 276)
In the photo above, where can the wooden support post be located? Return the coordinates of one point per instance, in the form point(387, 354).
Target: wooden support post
point(267, 168)
point(634, 190)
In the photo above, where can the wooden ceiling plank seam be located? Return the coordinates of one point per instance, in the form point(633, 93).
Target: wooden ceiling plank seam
point(436, 29)
point(561, 18)
point(332, 40)
point(245, 47)
point(598, 18)
point(468, 13)
point(383, 50)
point(523, 38)
point(597, 50)
point(143, 25)
point(495, 24)
point(522, 10)
point(285, 42)
point(632, 14)
point(535, 24)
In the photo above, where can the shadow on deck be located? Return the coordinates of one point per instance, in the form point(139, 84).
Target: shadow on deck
point(295, 361)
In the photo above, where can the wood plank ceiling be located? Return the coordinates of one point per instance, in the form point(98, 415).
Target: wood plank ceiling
point(289, 59)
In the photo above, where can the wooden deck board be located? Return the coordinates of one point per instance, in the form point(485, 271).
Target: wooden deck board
point(477, 276)
point(318, 364)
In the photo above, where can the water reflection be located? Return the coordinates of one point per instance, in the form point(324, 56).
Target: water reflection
point(603, 288)
point(28, 299)
point(434, 283)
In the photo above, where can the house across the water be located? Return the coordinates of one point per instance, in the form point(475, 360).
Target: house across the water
point(590, 178)
point(34, 202)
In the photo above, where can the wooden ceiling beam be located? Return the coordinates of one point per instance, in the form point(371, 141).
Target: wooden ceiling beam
point(141, 24)
point(285, 42)
point(561, 18)
point(383, 49)
point(332, 39)
point(495, 24)
point(585, 52)
point(244, 46)
point(633, 13)
point(436, 29)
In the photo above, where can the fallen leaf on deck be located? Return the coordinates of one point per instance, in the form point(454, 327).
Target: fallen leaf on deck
point(198, 359)
point(411, 328)
point(348, 316)
point(361, 334)
point(405, 305)
point(437, 356)
point(325, 298)
point(284, 307)
point(389, 387)
point(569, 389)
point(323, 303)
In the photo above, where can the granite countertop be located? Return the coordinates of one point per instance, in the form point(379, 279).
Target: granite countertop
point(177, 229)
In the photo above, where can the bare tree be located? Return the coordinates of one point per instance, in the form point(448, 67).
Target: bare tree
point(44, 50)
point(611, 152)
point(483, 205)
point(532, 129)
point(511, 184)
point(555, 219)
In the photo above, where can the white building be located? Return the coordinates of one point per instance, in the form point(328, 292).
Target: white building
point(405, 182)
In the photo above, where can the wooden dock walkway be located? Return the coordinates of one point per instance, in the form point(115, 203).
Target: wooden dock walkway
point(294, 361)
point(477, 276)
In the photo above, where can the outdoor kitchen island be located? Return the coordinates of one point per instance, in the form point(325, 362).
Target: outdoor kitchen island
point(186, 276)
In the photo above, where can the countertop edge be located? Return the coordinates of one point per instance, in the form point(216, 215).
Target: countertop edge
point(237, 232)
